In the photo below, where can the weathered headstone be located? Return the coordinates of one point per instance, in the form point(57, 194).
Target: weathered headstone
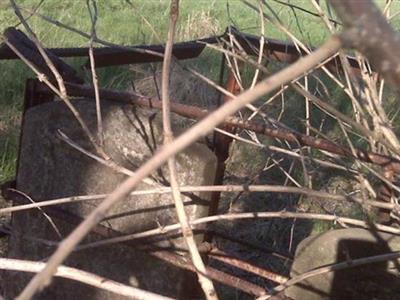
point(372, 281)
point(49, 168)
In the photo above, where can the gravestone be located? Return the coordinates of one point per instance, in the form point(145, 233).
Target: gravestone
point(372, 281)
point(49, 168)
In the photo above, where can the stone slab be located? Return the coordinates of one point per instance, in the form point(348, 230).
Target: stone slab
point(49, 169)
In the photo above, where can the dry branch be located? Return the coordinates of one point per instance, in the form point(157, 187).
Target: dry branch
point(93, 18)
point(205, 282)
point(243, 216)
point(369, 32)
point(81, 276)
point(211, 188)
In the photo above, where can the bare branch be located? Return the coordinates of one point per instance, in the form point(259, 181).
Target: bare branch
point(53, 225)
point(242, 216)
point(81, 276)
point(370, 33)
point(205, 282)
point(210, 188)
point(93, 18)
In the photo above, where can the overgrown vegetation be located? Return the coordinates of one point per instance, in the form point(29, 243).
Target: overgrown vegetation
point(128, 23)
point(366, 102)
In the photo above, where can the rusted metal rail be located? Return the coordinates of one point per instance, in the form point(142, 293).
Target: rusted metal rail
point(107, 56)
point(197, 113)
point(221, 146)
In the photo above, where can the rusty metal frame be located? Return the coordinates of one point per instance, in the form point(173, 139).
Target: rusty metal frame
point(109, 56)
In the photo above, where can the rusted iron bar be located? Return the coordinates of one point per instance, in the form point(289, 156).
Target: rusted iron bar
point(286, 256)
point(107, 56)
point(222, 144)
point(193, 112)
point(118, 56)
point(248, 267)
point(112, 56)
point(214, 274)
point(222, 141)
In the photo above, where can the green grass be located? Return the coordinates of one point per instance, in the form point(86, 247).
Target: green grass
point(142, 22)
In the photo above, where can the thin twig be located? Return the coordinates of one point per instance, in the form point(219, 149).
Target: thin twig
point(93, 18)
point(52, 224)
point(241, 216)
point(305, 10)
point(261, 50)
point(210, 188)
